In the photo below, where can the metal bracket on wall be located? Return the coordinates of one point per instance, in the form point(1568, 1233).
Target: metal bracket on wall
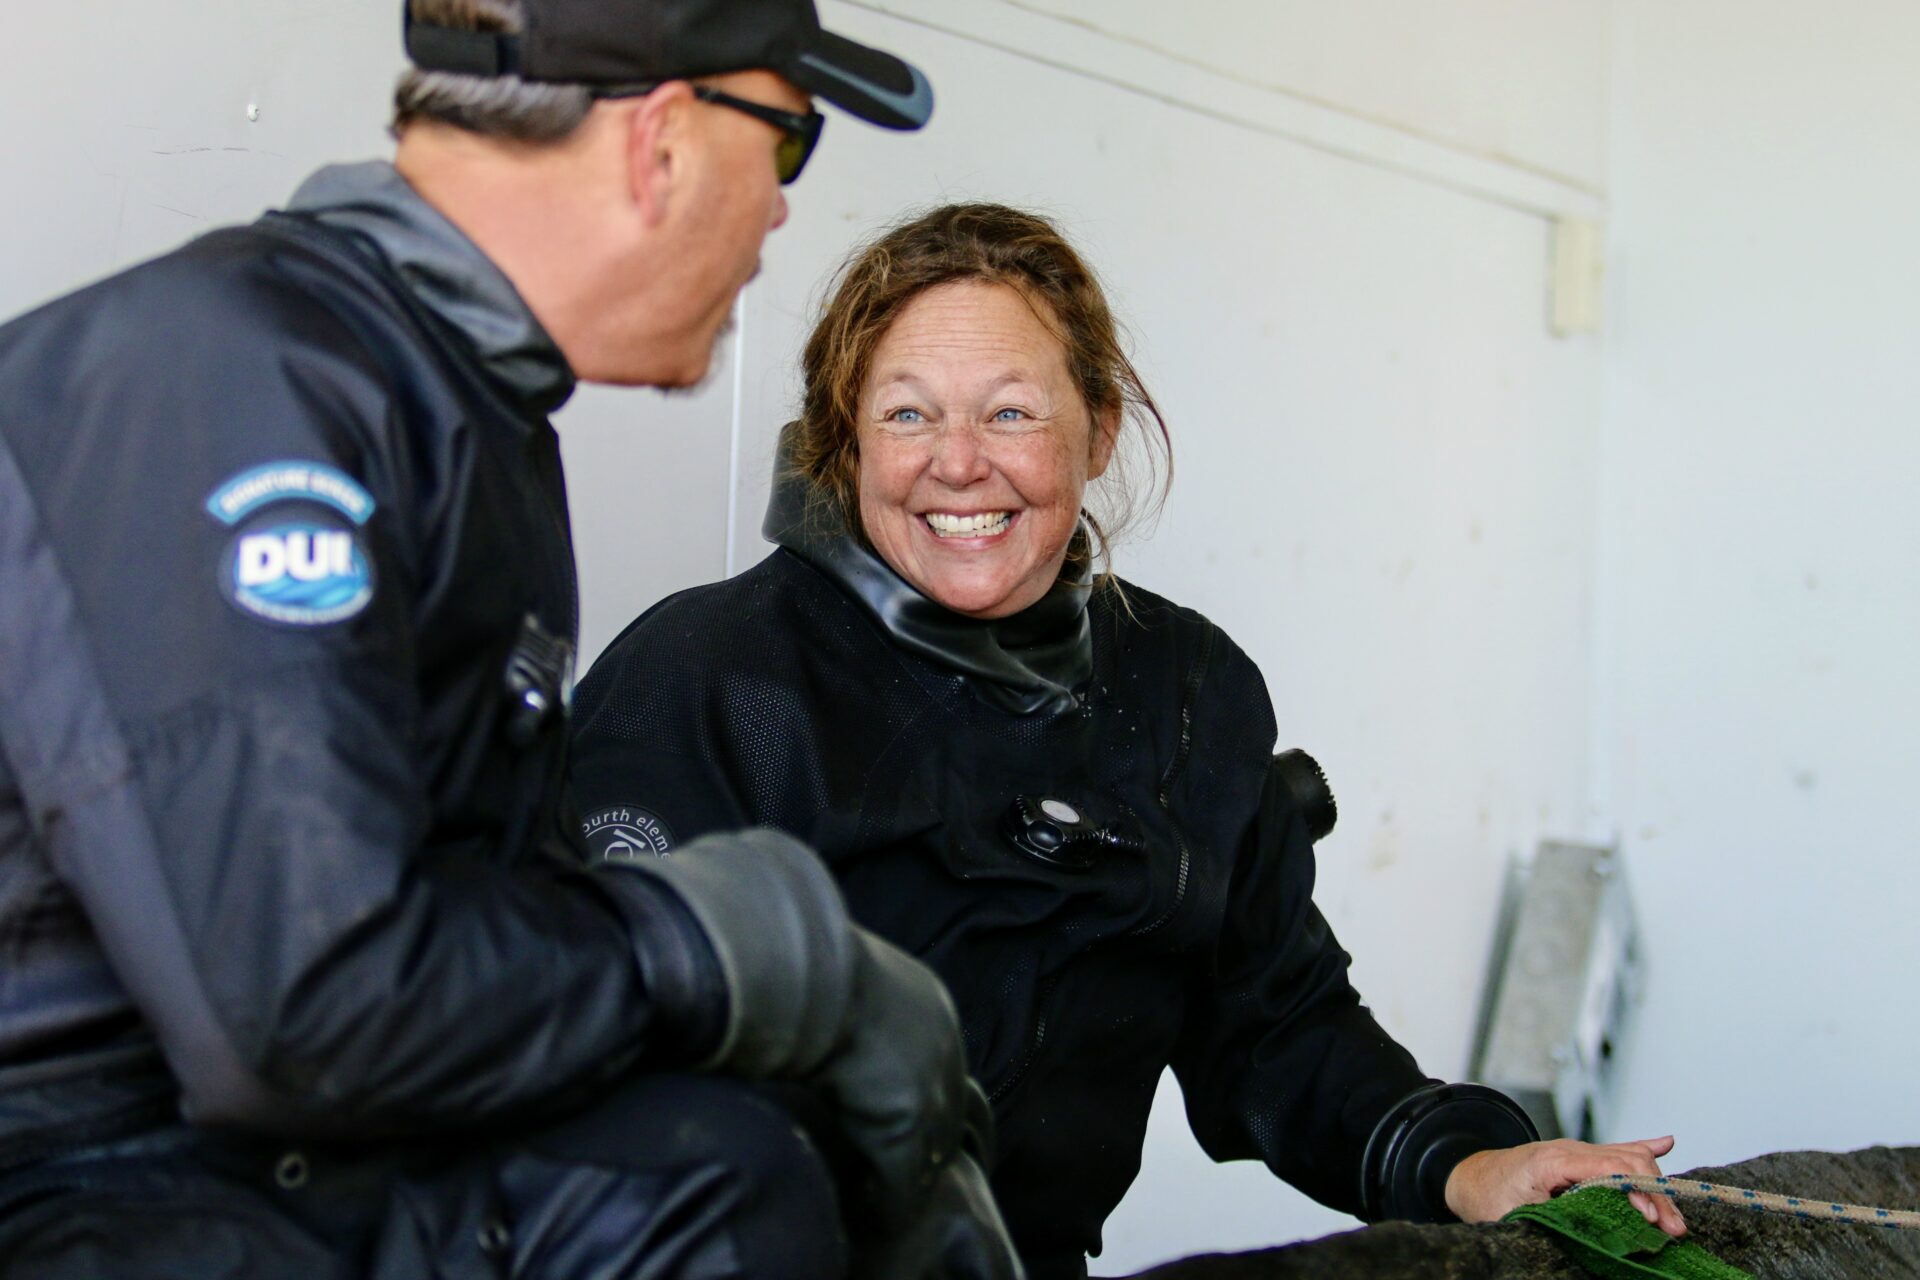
point(1569, 975)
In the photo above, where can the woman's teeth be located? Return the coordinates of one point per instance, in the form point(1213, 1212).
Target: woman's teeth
point(984, 524)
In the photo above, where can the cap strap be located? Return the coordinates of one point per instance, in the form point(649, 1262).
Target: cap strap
point(473, 53)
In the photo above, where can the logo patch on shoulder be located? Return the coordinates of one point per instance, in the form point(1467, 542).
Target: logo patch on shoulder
point(295, 557)
point(626, 833)
point(327, 486)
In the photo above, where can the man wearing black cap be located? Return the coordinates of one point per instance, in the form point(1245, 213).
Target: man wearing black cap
point(304, 971)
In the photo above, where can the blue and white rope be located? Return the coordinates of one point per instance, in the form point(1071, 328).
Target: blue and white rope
point(1759, 1201)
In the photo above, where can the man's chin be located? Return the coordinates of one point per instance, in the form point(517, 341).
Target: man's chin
point(700, 379)
point(692, 381)
point(701, 364)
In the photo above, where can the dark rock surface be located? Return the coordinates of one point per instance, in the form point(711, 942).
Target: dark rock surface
point(1771, 1247)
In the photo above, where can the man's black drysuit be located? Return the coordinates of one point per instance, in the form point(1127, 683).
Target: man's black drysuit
point(922, 753)
point(301, 972)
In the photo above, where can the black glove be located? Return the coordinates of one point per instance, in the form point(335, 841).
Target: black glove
point(898, 1076)
point(812, 997)
point(956, 1235)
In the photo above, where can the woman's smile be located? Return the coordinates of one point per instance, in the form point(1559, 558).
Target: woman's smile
point(970, 529)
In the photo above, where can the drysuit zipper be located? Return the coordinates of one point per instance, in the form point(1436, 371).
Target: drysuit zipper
point(1034, 1042)
point(1165, 797)
point(1172, 775)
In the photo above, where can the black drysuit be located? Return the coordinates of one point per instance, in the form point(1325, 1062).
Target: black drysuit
point(286, 621)
point(820, 694)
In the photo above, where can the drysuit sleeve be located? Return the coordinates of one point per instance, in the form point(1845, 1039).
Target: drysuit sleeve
point(226, 758)
point(1280, 1061)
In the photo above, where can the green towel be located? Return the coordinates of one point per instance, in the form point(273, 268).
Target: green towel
point(1606, 1235)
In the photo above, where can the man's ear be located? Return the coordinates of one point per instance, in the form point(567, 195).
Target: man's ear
point(659, 141)
point(1106, 433)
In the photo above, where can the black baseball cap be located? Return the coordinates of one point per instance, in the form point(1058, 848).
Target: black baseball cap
point(624, 42)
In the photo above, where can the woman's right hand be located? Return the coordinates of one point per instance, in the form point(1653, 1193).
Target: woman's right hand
point(1488, 1185)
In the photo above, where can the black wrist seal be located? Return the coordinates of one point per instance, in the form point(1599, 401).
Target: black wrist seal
point(1416, 1145)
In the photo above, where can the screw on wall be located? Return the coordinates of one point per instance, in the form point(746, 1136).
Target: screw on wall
point(253, 113)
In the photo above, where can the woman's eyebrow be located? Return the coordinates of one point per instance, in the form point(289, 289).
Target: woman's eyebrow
point(903, 377)
point(1012, 376)
point(888, 381)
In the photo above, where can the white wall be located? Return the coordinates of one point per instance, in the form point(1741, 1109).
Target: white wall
point(127, 128)
point(1759, 700)
point(1515, 79)
point(1327, 226)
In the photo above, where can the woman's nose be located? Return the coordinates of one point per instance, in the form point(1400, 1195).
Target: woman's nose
point(958, 459)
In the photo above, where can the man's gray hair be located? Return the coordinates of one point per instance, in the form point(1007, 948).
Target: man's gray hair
point(497, 106)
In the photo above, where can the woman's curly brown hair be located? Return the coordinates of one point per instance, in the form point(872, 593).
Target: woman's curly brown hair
point(956, 242)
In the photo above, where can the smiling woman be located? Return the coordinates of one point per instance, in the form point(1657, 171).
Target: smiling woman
point(975, 449)
point(1062, 797)
point(969, 358)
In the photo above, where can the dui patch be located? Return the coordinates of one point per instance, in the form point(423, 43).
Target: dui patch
point(295, 557)
point(626, 833)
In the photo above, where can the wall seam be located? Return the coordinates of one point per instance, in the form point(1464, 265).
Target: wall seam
point(1376, 143)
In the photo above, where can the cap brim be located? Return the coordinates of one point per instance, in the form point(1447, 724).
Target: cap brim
point(875, 86)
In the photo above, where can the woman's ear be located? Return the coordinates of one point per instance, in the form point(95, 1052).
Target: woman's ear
point(1106, 434)
point(658, 144)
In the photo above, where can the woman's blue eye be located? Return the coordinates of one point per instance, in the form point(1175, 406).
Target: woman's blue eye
point(1002, 415)
point(906, 415)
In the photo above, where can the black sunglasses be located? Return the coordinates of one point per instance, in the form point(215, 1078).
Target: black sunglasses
point(800, 133)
